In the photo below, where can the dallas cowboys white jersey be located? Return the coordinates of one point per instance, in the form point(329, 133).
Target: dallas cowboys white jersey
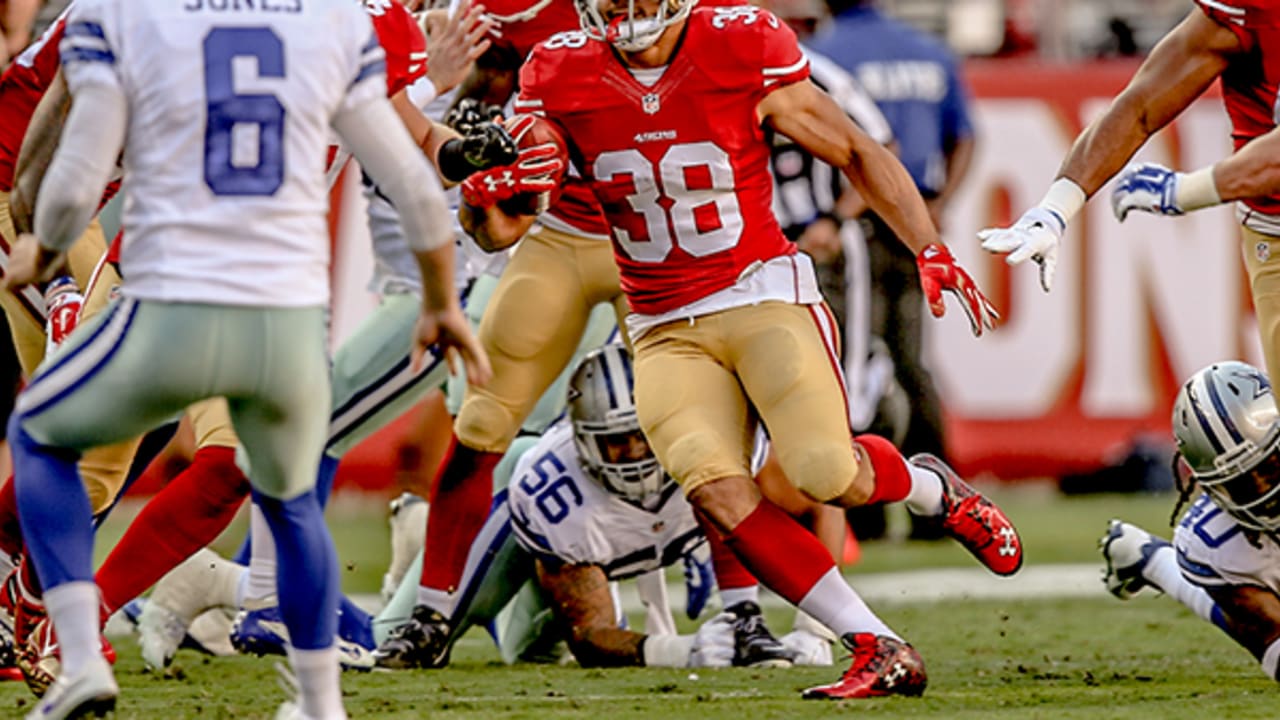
point(1214, 550)
point(558, 512)
point(225, 196)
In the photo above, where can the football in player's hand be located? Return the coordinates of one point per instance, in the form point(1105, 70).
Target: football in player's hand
point(530, 131)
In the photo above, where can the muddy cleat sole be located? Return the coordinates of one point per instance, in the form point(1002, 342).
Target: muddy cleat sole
point(1127, 549)
point(974, 521)
point(881, 666)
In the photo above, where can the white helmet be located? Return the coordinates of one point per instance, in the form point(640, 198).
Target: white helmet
point(602, 408)
point(1228, 431)
point(627, 32)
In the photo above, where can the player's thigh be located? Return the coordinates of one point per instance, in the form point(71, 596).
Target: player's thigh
point(690, 405)
point(280, 413)
point(1262, 259)
point(478, 296)
point(103, 287)
point(787, 361)
point(113, 379)
point(601, 328)
point(211, 423)
point(104, 470)
point(530, 329)
point(373, 378)
point(24, 309)
point(84, 255)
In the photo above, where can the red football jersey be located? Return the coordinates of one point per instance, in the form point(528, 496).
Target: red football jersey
point(681, 168)
point(21, 88)
point(1250, 83)
point(401, 39)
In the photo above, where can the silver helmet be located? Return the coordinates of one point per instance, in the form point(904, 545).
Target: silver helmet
point(603, 412)
point(629, 33)
point(1228, 431)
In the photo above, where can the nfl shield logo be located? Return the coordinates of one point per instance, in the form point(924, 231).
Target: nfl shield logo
point(649, 103)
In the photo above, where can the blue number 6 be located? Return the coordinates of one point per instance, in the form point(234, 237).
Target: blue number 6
point(227, 109)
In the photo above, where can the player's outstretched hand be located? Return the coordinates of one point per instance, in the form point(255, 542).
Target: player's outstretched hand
point(1034, 237)
point(31, 263)
point(455, 44)
point(713, 644)
point(1147, 187)
point(939, 271)
point(449, 330)
point(534, 172)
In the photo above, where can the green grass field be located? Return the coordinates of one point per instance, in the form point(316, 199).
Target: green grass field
point(1043, 658)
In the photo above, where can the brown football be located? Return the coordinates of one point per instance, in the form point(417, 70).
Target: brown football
point(540, 132)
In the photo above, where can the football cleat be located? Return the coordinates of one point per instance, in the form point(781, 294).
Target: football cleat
point(881, 666)
point(1127, 549)
point(92, 692)
point(408, 531)
point(420, 642)
point(263, 632)
point(976, 522)
point(39, 660)
point(183, 594)
point(753, 644)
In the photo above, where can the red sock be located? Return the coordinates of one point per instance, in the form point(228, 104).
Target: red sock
point(10, 532)
point(460, 501)
point(787, 558)
point(186, 515)
point(730, 572)
point(893, 479)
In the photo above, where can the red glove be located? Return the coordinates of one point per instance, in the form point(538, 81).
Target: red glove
point(537, 170)
point(939, 271)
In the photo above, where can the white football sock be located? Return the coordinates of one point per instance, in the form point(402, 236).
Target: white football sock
point(833, 603)
point(438, 600)
point(319, 683)
point(73, 608)
point(925, 497)
point(1162, 570)
point(260, 583)
point(733, 596)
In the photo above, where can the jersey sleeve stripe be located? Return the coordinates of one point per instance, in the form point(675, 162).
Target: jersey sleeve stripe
point(371, 45)
point(71, 55)
point(1228, 9)
point(377, 67)
point(1199, 573)
point(798, 65)
point(85, 28)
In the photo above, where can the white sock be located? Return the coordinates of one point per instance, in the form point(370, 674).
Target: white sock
point(319, 683)
point(1270, 659)
point(260, 585)
point(925, 498)
point(733, 596)
point(1162, 570)
point(438, 600)
point(73, 608)
point(833, 603)
point(805, 622)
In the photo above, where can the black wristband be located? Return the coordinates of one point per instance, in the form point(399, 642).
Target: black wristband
point(452, 161)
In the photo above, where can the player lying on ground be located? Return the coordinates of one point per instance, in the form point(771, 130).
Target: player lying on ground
point(1223, 560)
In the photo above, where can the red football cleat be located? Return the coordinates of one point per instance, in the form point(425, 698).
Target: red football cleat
point(40, 660)
point(881, 666)
point(975, 521)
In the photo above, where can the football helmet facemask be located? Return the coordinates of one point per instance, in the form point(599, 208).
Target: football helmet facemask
point(1228, 431)
point(603, 412)
point(626, 31)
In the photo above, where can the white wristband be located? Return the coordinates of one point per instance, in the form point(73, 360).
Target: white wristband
point(667, 650)
point(422, 92)
point(1196, 190)
point(1064, 199)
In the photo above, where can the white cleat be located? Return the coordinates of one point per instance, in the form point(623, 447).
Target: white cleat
point(93, 691)
point(202, 582)
point(1127, 549)
point(408, 532)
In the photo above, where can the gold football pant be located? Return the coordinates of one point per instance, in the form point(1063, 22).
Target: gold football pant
point(698, 382)
point(1264, 281)
point(531, 329)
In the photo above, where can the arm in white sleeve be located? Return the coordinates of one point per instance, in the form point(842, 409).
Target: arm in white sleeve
point(82, 165)
point(379, 141)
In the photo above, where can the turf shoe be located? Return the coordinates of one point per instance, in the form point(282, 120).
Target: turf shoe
point(976, 522)
point(1127, 549)
point(408, 530)
point(753, 644)
point(263, 632)
point(420, 642)
point(93, 691)
point(202, 582)
point(881, 666)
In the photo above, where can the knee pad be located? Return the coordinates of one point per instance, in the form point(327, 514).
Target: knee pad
point(485, 424)
point(822, 472)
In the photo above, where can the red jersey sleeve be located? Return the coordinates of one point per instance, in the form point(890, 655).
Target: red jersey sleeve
point(1231, 15)
point(782, 61)
point(401, 39)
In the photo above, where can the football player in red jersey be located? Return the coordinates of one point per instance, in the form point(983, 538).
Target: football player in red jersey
point(1231, 40)
point(665, 121)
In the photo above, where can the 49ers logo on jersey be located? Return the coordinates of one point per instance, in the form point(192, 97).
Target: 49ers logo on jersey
point(377, 8)
point(746, 13)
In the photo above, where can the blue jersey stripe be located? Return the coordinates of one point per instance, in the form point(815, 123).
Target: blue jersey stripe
point(75, 54)
point(377, 67)
point(84, 28)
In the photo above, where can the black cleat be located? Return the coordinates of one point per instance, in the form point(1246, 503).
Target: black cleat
point(753, 644)
point(420, 642)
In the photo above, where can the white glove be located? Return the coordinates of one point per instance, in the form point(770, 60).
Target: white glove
point(713, 643)
point(809, 649)
point(1034, 237)
point(1147, 187)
